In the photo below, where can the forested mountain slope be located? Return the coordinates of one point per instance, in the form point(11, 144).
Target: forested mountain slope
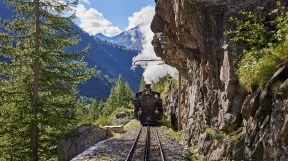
point(111, 61)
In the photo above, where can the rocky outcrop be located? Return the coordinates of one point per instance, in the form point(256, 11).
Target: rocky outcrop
point(87, 136)
point(219, 119)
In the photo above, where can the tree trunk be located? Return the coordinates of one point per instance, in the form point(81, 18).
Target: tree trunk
point(34, 128)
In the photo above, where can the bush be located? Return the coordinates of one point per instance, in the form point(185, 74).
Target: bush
point(111, 119)
point(162, 85)
point(176, 135)
point(266, 48)
point(103, 120)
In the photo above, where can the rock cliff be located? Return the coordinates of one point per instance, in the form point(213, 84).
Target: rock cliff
point(87, 136)
point(220, 121)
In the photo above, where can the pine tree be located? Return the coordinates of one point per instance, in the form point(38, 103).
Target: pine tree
point(142, 84)
point(119, 92)
point(120, 95)
point(94, 110)
point(129, 94)
point(111, 104)
point(38, 86)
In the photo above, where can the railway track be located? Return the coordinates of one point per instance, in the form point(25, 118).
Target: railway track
point(147, 146)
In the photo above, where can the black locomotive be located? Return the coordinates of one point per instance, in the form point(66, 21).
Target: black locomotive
point(148, 106)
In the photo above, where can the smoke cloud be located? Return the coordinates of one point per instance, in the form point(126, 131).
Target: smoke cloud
point(153, 70)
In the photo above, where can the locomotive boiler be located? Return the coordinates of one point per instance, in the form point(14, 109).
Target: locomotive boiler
point(148, 106)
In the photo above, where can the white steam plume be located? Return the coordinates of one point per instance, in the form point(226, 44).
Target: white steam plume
point(153, 71)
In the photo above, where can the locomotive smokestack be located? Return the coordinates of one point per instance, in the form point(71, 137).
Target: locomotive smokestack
point(148, 86)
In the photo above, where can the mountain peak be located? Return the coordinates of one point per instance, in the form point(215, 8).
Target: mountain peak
point(130, 39)
point(102, 37)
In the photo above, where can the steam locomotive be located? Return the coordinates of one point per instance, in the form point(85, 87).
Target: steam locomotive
point(148, 106)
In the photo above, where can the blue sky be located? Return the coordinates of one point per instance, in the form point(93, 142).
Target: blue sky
point(110, 16)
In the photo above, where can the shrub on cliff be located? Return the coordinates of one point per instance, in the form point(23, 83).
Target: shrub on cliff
point(164, 84)
point(265, 46)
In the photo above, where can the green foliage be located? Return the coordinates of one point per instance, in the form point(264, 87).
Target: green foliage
point(60, 71)
point(176, 135)
point(164, 84)
point(235, 136)
point(142, 84)
point(166, 123)
point(266, 49)
point(252, 31)
point(120, 121)
point(217, 134)
point(120, 99)
point(88, 110)
point(112, 120)
point(121, 95)
point(196, 156)
point(103, 120)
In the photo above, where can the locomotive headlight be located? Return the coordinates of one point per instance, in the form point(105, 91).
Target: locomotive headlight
point(156, 111)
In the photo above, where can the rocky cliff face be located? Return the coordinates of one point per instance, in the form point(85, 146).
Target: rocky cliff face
point(219, 119)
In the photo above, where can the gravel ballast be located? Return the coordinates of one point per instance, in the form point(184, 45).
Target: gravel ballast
point(117, 147)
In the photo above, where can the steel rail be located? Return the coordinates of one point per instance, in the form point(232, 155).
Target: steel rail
point(160, 147)
point(133, 146)
point(145, 156)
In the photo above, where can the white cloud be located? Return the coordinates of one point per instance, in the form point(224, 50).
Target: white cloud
point(93, 22)
point(153, 70)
